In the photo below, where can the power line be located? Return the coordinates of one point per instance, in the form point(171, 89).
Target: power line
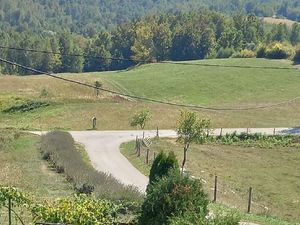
point(147, 61)
point(145, 98)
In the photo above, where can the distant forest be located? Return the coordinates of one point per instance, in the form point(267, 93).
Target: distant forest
point(171, 36)
point(141, 30)
point(87, 17)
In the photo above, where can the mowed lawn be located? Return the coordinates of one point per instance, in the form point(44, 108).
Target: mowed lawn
point(272, 173)
point(72, 106)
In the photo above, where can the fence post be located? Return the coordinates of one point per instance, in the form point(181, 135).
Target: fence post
point(216, 189)
point(9, 211)
point(136, 144)
point(274, 131)
point(249, 200)
point(143, 135)
point(247, 130)
point(147, 156)
point(221, 132)
point(139, 148)
point(157, 133)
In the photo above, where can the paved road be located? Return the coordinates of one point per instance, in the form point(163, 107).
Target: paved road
point(103, 148)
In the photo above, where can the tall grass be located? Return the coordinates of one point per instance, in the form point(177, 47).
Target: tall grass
point(59, 149)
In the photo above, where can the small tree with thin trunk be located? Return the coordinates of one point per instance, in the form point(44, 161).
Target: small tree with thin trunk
point(190, 129)
point(98, 85)
point(140, 119)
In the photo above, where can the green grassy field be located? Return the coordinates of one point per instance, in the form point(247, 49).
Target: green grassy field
point(273, 174)
point(72, 107)
point(23, 167)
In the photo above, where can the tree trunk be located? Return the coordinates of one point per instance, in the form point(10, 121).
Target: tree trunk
point(184, 158)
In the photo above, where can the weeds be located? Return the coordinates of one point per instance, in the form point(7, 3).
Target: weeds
point(59, 149)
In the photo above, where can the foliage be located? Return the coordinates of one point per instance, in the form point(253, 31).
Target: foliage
point(224, 53)
point(77, 210)
point(278, 51)
point(261, 51)
point(59, 149)
point(173, 196)
point(162, 165)
point(296, 58)
point(191, 129)
point(224, 218)
point(256, 140)
point(17, 197)
point(245, 53)
point(26, 107)
point(140, 119)
point(216, 218)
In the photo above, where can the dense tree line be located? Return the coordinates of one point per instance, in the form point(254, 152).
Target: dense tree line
point(172, 36)
point(87, 17)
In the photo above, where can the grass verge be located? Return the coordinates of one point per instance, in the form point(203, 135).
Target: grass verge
point(23, 167)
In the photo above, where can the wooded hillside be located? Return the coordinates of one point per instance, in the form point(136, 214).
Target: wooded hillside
point(88, 16)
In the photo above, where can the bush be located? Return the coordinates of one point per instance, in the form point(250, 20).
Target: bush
point(278, 51)
point(77, 210)
point(224, 53)
point(174, 196)
point(296, 58)
point(59, 148)
point(245, 53)
point(162, 165)
point(26, 107)
point(261, 51)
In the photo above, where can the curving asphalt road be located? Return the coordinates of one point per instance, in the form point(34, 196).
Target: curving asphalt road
point(103, 148)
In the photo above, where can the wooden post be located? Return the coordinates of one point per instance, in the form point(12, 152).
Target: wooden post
point(9, 211)
point(143, 135)
point(216, 189)
point(221, 132)
point(249, 200)
point(157, 133)
point(136, 144)
point(147, 156)
point(247, 130)
point(274, 131)
point(139, 148)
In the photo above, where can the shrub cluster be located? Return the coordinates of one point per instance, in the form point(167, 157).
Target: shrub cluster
point(174, 196)
point(224, 53)
point(245, 53)
point(256, 140)
point(278, 51)
point(26, 107)
point(176, 199)
point(296, 58)
point(77, 210)
point(59, 148)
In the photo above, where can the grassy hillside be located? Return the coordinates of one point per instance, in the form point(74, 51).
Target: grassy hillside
point(271, 172)
point(72, 106)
